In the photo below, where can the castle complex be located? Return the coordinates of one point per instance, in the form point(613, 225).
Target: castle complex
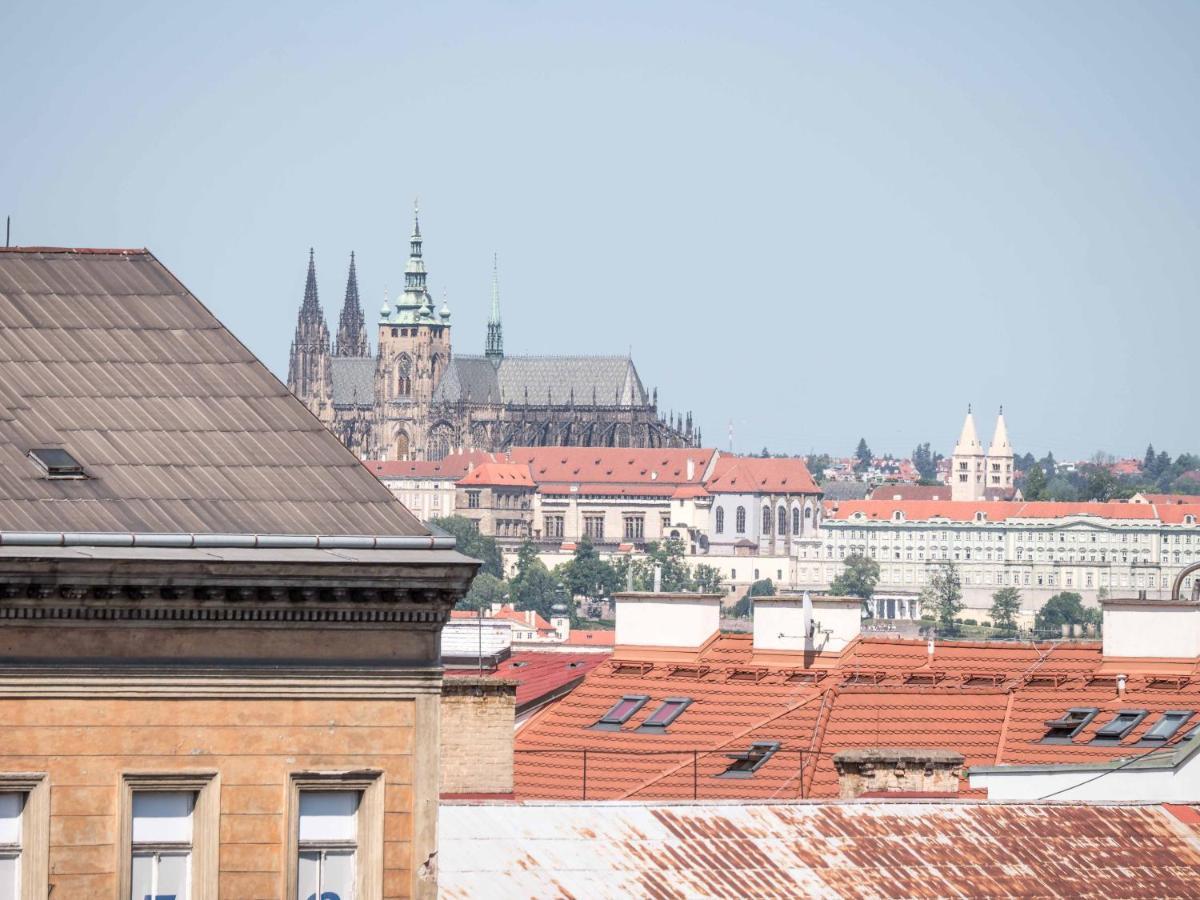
point(414, 399)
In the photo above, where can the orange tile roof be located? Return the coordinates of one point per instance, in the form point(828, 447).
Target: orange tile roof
point(988, 701)
point(1177, 513)
point(540, 674)
point(612, 465)
point(499, 475)
point(523, 618)
point(996, 511)
point(753, 474)
point(594, 637)
point(1164, 499)
point(453, 466)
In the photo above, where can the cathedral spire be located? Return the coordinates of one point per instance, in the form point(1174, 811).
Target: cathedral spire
point(311, 304)
point(495, 333)
point(352, 328)
point(414, 272)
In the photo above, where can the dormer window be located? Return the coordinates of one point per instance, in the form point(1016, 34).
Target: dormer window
point(57, 464)
point(621, 712)
point(1166, 727)
point(667, 713)
point(744, 765)
point(1119, 726)
point(1064, 729)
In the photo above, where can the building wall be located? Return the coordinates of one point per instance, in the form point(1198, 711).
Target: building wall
point(478, 720)
point(85, 745)
point(426, 498)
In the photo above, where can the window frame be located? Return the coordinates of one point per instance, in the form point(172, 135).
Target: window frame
point(34, 852)
point(1181, 717)
point(611, 722)
point(772, 747)
point(206, 826)
point(1087, 712)
point(368, 861)
point(680, 704)
point(1114, 736)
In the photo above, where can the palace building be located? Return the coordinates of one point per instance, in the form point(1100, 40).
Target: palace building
point(415, 399)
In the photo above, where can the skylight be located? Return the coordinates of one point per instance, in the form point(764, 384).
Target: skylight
point(667, 713)
point(1062, 730)
point(621, 712)
point(56, 463)
point(1164, 729)
point(744, 765)
point(1119, 726)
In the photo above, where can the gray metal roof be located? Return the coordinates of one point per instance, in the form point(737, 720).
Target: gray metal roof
point(180, 428)
point(353, 380)
point(541, 379)
point(845, 490)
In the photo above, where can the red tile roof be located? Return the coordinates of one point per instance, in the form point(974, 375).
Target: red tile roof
point(499, 475)
point(612, 465)
point(595, 637)
point(541, 675)
point(988, 701)
point(1177, 513)
point(996, 511)
point(753, 474)
point(453, 466)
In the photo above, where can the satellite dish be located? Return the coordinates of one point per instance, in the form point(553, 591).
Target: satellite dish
point(808, 616)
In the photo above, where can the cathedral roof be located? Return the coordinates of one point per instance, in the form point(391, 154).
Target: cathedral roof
point(538, 379)
point(353, 380)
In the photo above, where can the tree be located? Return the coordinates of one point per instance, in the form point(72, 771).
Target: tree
point(533, 586)
point(817, 464)
point(472, 543)
point(863, 454)
point(1049, 465)
point(1148, 461)
point(743, 607)
point(858, 578)
point(1099, 483)
point(943, 596)
point(925, 461)
point(764, 587)
point(1006, 603)
point(706, 579)
point(1064, 608)
point(587, 575)
point(1034, 487)
point(485, 590)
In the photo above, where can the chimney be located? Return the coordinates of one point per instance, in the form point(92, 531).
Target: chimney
point(779, 623)
point(691, 469)
point(1138, 628)
point(683, 620)
point(478, 716)
point(884, 770)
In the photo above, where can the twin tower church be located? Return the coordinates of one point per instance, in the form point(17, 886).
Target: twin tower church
point(415, 399)
point(979, 475)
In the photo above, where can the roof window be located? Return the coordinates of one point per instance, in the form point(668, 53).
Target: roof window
point(667, 713)
point(1166, 727)
point(744, 765)
point(56, 463)
point(621, 712)
point(1119, 726)
point(1062, 730)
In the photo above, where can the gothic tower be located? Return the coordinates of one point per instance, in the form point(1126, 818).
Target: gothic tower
point(1000, 458)
point(414, 350)
point(352, 328)
point(308, 367)
point(967, 464)
point(495, 334)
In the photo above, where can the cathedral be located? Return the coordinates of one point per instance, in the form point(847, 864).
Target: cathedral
point(414, 399)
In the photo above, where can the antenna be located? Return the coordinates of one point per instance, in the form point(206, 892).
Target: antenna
point(7, 230)
point(807, 612)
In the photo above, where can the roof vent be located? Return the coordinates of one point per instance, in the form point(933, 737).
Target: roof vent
point(57, 464)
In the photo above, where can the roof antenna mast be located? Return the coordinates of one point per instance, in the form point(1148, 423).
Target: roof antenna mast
point(7, 230)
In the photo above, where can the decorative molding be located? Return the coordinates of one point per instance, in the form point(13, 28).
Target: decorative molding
point(182, 615)
point(35, 831)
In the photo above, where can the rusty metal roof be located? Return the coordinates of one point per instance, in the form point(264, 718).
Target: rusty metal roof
point(179, 427)
point(861, 849)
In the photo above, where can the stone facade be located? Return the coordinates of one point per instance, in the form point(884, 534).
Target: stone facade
point(478, 719)
point(416, 400)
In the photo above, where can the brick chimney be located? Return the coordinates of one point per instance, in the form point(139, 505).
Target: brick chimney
point(478, 716)
point(884, 770)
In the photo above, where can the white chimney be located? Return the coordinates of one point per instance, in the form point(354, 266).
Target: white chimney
point(779, 623)
point(1136, 628)
point(691, 469)
point(647, 619)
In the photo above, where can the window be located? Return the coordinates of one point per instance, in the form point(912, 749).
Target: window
point(554, 526)
point(781, 525)
point(744, 765)
point(1119, 726)
point(327, 844)
point(796, 520)
point(1164, 729)
point(740, 520)
point(664, 520)
point(24, 835)
point(1061, 731)
point(667, 713)
point(766, 520)
point(472, 499)
point(635, 528)
point(11, 805)
point(593, 527)
point(335, 836)
point(621, 712)
point(720, 526)
point(168, 837)
point(57, 464)
point(161, 844)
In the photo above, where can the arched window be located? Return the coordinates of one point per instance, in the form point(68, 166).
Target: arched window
point(741, 520)
point(808, 512)
point(720, 520)
point(781, 526)
point(435, 368)
point(404, 375)
point(766, 520)
point(402, 446)
point(795, 520)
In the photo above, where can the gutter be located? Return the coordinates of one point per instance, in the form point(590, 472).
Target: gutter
point(251, 541)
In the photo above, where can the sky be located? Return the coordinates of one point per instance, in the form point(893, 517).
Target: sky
point(807, 222)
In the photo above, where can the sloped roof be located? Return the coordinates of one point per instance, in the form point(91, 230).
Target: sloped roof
point(353, 380)
point(611, 466)
point(495, 474)
point(845, 490)
point(105, 354)
point(542, 379)
point(996, 510)
point(455, 466)
point(753, 474)
point(541, 675)
point(988, 701)
point(878, 849)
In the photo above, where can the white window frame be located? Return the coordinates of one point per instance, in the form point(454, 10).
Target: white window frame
point(34, 851)
point(206, 823)
point(368, 858)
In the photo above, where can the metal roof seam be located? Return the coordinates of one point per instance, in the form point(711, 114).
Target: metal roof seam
point(265, 541)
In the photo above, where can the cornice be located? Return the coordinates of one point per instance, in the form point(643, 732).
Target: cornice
point(153, 612)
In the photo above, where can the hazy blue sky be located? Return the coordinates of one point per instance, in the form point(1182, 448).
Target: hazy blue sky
point(819, 220)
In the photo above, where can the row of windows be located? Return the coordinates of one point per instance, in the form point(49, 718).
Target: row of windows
point(781, 522)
